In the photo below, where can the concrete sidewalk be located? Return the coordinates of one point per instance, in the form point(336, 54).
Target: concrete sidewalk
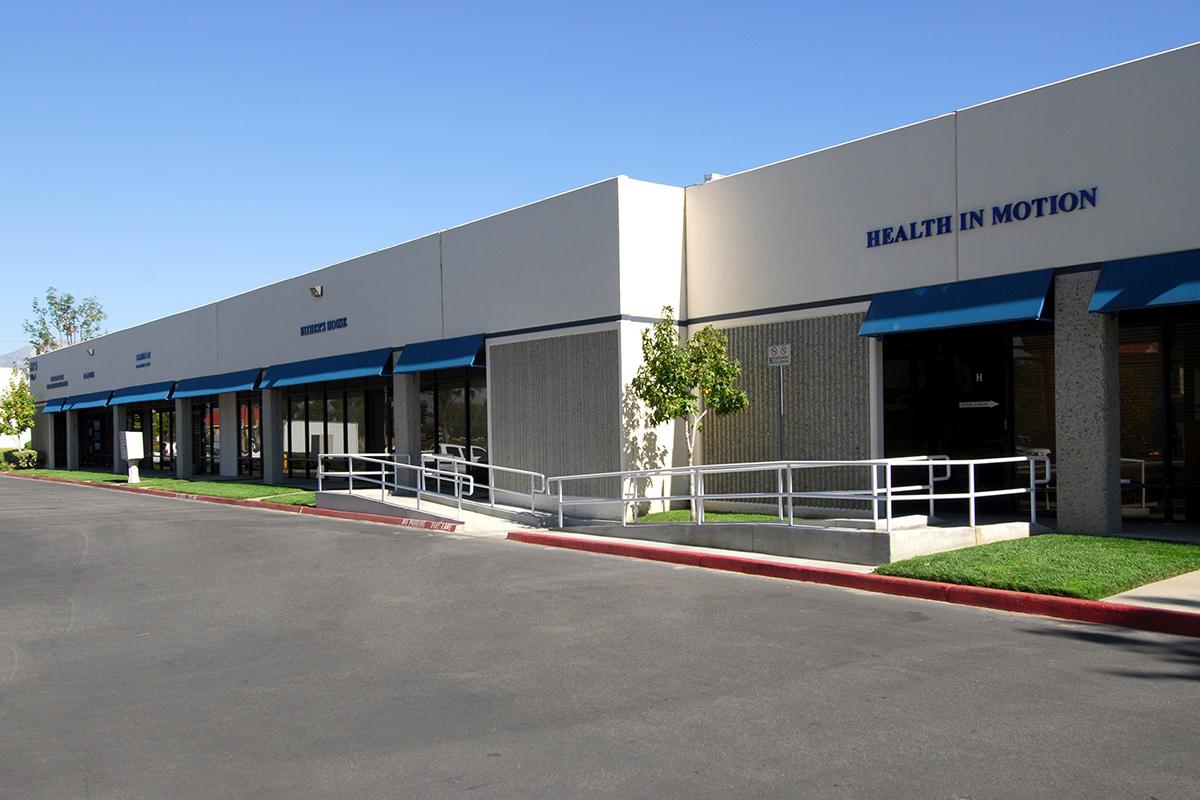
point(1181, 593)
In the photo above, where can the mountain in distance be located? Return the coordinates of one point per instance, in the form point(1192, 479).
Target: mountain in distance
point(17, 357)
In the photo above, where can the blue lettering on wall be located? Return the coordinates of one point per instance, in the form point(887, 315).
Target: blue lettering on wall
point(322, 327)
point(87, 376)
point(1018, 211)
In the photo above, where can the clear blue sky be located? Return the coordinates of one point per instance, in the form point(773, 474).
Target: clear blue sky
point(163, 155)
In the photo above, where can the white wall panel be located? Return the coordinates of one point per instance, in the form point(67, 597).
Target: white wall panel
point(795, 232)
point(549, 262)
point(1129, 130)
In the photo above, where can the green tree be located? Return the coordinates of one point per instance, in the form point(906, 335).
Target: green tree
point(17, 411)
point(687, 380)
point(63, 321)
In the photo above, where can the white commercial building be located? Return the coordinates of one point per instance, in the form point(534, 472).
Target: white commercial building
point(1018, 277)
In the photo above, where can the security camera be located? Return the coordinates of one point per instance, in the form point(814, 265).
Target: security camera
point(316, 291)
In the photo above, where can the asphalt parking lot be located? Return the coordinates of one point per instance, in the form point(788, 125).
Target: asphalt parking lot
point(155, 648)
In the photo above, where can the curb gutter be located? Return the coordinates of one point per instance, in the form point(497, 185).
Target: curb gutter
point(1159, 620)
point(355, 516)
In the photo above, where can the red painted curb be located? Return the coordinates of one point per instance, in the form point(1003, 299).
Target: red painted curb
point(354, 516)
point(1159, 620)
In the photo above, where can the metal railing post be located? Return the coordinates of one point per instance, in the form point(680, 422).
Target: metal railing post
point(790, 506)
point(1032, 493)
point(699, 497)
point(875, 493)
point(350, 469)
point(624, 502)
point(320, 471)
point(532, 497)
point(492, 485)
point(971, 491)
point(560, 507)
point(779, 488)
point(887, 474)
point(930, 490)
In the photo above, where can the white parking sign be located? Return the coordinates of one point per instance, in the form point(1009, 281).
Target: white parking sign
point(779, 355)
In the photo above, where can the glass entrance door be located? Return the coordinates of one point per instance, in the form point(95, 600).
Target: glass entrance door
point(206, 437)
point(971, 393)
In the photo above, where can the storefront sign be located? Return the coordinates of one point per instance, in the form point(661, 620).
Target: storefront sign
point(1047, 206)
point(322, 327)
point(57, 382)
point(141, 360)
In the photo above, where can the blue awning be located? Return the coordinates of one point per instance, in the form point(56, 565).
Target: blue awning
point(242, 381)
point(330, 368)
point(1148, 282)
point(54, 406)
point(82, 401)
point(439, 354)
point(982, 301)
point(145, 393)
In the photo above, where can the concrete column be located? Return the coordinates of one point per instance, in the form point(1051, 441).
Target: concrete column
point(273, 440)
point(229, 434)
point(72, 439)
point(183, 438)
point(41, 437)
point(406, 416)
point(1087, 410)
point(118, 424)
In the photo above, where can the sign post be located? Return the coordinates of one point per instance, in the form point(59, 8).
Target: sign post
point(780, 355)
point(131, 451)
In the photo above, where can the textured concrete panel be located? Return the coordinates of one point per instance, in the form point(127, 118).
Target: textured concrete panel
point(1088, 410)
point(554, 407)
point(826, 402)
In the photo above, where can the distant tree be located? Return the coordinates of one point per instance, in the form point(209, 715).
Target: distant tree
point(63, 321)
point(686, 380)
point(17, 411)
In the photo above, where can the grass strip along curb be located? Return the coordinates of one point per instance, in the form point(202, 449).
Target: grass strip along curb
point(1181, 623)
point(1067, 565)
point(355, 516)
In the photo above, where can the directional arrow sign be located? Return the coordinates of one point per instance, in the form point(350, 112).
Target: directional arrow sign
point(978, 404)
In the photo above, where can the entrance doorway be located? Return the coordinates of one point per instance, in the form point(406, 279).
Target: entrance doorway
point(972, 393)
point(454, 419)
point(95, 439)
point(206, 436)
point(157, 424)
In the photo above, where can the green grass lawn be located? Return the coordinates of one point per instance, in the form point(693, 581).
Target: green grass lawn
point(294, 499)
point(684, 515)
point(1089, 567)
point(232, 489)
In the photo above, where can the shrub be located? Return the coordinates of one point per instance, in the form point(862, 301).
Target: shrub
point(22, 459)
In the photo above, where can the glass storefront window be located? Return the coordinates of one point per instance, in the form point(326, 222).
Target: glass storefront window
point(454, 413)
point(1143, 428)
point(356, 422)
point(336, 417)
point(249, 434)
point(1159, 356)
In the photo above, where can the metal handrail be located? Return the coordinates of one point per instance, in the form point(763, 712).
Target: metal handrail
point(938, 469)
point(392, 465)
point(537, 481)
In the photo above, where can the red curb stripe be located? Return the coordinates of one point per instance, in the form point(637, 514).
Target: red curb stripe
point(1159, 620)
point(355, 516)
